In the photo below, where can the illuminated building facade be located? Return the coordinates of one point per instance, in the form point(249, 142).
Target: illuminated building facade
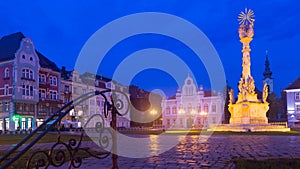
point(192, 107)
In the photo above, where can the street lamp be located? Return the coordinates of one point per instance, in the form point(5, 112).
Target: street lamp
point(154, 113)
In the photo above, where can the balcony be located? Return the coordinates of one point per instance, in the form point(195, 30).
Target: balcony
point(44, 84)
point(67, 92)
point(28, 79)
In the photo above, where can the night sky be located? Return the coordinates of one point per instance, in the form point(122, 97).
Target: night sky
point(59, 29)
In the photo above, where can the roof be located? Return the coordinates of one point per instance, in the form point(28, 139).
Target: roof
point(98, 77)
point(10, 44)
point(294, 85)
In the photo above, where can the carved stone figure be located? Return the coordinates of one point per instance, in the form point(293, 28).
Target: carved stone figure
point(265, 93)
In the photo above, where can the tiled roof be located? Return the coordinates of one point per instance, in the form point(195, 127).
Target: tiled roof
point(294, 85)
point(172, 97)
point(10, 44)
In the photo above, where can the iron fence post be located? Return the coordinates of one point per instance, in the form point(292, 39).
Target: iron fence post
point(114, 138)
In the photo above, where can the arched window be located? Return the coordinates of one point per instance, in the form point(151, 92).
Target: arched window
point(42, 78)
point(168, 110)
point(6, 72)
point(27, 73)
point(53, 81)
point(174, 110)
point(206, 108)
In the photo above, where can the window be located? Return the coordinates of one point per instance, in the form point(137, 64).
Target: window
point(53, 95)
point(42, 93)
point(6, 73)
point(29, 123)
point(31, 59)
point(23, 56)
point(199, 108)
point(6, 106)
point(53, 81)
point(297, 96)
point(67, 89)
point(174, 110)
point(23, 123)
point(206, 108)
point(27, 90)
point(27, 73)
point(168, 110)
point(6, 90)
point(42, 78)
point(75, 90)
point(297, 107)
point(214, 108)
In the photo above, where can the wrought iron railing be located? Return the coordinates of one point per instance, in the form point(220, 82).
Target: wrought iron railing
point(57, 157)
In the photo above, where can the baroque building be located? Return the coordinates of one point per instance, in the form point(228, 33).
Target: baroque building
point(22, 68)
point(192, 107)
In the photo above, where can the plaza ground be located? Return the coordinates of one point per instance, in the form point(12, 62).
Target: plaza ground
point(218, 151)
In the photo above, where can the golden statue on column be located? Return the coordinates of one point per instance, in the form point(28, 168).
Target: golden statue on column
point(248, 109)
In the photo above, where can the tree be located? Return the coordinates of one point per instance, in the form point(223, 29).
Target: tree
point(276, 107)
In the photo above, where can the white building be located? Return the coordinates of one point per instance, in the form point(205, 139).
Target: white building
point(192, 107)
point(293, 103)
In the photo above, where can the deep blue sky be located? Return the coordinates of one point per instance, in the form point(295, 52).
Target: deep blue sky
point(59, 29)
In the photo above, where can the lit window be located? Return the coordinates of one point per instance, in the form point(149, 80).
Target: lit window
point(205, 108)
point(174, 110)
point(6, 73)
point(168, 110)
point(53, 95)
point(297, 96)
